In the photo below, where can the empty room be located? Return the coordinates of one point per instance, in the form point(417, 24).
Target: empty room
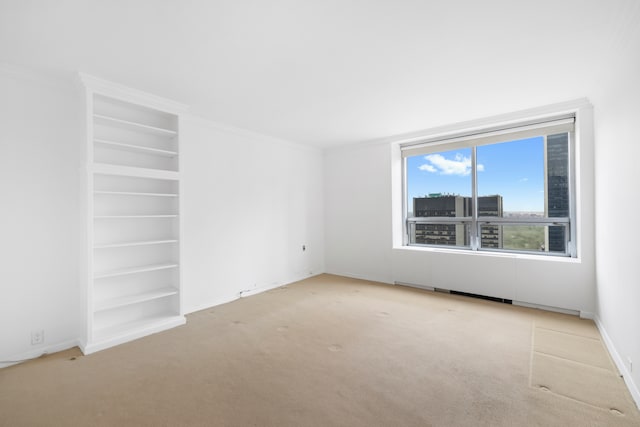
point(319, 213)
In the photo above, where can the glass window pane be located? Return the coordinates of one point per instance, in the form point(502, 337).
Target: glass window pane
point(439, 184)
point(534, 238)
point(557, 201)
point(440, 234)
point(511, 179)
point(525, 180)
point(518, 237)
point(556, 239)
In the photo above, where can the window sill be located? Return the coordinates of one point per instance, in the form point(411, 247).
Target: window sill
point(465, 252)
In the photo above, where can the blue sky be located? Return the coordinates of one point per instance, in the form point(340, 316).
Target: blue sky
point(514, 170)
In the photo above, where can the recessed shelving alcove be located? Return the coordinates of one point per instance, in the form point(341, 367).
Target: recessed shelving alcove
point(132, 186)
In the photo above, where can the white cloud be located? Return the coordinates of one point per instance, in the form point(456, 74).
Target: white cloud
point(427, 167)
point(523, 180)
point(459, 165)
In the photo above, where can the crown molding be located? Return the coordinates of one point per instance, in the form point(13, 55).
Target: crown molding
point(127, 94)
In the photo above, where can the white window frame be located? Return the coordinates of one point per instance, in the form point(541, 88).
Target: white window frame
point(472, 138)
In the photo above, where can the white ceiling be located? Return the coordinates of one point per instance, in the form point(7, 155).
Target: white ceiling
point(328, 72)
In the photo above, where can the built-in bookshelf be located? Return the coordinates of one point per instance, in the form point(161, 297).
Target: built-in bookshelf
point(132, 263)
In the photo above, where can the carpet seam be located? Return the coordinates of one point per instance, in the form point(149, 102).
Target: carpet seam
point(533, 343)
point(569, 333)
point(562, 396)
point(575, 361)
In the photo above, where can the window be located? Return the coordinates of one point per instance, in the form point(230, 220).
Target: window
point(507, 189)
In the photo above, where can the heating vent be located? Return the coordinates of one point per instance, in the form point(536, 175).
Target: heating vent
point(485, 297)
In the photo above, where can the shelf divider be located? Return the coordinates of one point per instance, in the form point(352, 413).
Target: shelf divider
point(135, 148)
point(134, 299)
point(112, 121)
point(134, 216)
point(133, 193)
point(137, 243)
point(134, 270)
point(118, 334)
point(109, 169)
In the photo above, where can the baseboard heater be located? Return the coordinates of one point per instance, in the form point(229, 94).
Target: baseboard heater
point(467, 294)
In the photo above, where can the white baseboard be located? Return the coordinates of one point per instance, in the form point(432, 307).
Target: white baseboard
point(413, 285)
point(213, 303)
point(360, 277)
point(587, 315)
point(619, 361)
point(136, 332)
point(245, 293)
point(547, 308)
point(261, 289)
point(40, 351)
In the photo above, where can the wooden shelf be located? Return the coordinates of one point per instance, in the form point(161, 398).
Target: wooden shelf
point(108, 169)
point(134, 270)
point(133, 216)
point(131, 193)
point(138, 243)
point(112, 121)
point(134, 299)
point(135, 148)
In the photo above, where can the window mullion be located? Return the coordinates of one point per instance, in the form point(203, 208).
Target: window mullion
point(474, 202)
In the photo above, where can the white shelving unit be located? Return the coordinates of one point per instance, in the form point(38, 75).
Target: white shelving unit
point(132, 186)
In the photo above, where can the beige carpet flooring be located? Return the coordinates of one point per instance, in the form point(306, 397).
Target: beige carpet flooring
point(330, 351)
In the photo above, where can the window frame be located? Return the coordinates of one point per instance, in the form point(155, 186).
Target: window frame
point(493, 135)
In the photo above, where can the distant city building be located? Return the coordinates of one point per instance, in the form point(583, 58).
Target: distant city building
point(557, 197)
point(437, 205)
point(490, 235)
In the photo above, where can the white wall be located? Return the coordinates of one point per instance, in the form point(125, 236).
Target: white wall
point(358, 212)
point(39, 212)
point(617, 111)
point(363, 204)
point(249, 205)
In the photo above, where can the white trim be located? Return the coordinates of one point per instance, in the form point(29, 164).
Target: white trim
point(413, 285)
point(361, 277)
point(208, 305)
point(490, 135)
point(255, 291)
point(501, 120)
point(589, 315)
point(260, 289)
point(617, 359)
point(39, 352)
point(124, 93)
point(491, 254)
point(546, 308)
point(581, 109)
point(109, 169)
point(513, 302)
point(246, 293)
point(505, 119)
point(146, 328)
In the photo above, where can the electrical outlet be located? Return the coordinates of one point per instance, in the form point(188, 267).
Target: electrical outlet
point(37, 337)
